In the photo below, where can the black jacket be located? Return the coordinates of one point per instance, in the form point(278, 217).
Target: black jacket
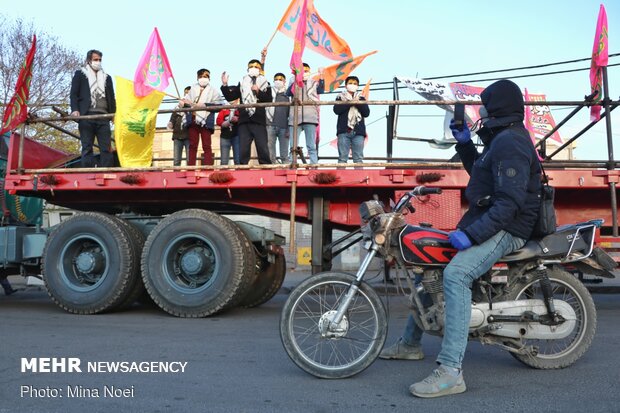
point(343, 114)
point(234, 92)
point(504, 185)
point(80, 93)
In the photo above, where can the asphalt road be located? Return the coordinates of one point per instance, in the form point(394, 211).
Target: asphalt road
point(236, 363)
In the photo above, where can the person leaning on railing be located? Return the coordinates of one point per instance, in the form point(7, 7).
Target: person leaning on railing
point(350, 126)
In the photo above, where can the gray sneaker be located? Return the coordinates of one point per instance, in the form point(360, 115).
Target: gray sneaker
point(439, 383)
point(402, 351)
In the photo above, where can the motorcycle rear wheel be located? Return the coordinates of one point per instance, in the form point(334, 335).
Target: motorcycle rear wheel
point(557, 354)
point(343, 351)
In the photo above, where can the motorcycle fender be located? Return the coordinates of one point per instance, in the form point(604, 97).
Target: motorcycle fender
point(530, 330)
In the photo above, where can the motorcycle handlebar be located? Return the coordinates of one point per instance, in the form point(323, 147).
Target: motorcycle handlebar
point(422, 190)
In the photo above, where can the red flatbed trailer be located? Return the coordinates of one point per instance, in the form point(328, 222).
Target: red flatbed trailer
point(327, 198)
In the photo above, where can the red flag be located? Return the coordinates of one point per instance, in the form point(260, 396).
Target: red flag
point(320, 36)
point(600, 56)
point(298, 49)
point(153, 69)
point(16, 111)
point(528, 122)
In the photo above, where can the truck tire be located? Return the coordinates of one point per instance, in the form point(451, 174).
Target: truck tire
point(193, 263)
point(267, 284)
point(136, 242)
point(252, 267)
point(89, 265)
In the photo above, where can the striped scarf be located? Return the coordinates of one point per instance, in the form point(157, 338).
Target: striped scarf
point(247, 96)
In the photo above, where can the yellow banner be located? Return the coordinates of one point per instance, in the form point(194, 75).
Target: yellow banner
point(134, 124)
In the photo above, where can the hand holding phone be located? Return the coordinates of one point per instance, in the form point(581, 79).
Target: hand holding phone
point(459, 116)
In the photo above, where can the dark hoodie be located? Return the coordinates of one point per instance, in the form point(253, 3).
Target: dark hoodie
point(504, 185)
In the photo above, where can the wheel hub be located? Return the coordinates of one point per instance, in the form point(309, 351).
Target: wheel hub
point(194, 262)
point(330, 330)
point(90, 262)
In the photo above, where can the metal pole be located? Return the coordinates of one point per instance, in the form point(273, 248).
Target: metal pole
point(391, 124)
point(584, 130)
point(610, 150)
point(291, 247)
point(20, 157)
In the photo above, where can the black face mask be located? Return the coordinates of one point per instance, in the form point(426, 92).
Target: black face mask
point(486, 135)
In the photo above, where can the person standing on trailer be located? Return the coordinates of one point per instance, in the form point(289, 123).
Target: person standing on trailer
point(92, 93)
point(201, 123)
point(307, 116)
point(253, 88)
point(180, 134)
point(350, 126)
point(277, 121)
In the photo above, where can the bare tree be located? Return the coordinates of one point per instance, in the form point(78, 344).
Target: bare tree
point(52, 70)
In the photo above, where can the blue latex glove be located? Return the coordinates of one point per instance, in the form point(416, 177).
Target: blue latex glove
point(461, 136)
point(459, 240)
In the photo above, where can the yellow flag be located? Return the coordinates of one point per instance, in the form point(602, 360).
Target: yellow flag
point(134, 124)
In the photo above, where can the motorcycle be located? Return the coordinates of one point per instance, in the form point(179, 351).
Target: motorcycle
point(334, 325)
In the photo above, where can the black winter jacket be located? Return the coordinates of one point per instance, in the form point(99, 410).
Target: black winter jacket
point(232, 93)
point(80, 94)
point(504, 185)
point(343, 113)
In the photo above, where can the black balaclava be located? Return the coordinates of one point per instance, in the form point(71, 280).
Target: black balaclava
point(503, 102)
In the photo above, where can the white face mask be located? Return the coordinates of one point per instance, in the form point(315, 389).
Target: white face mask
point(95, 65)
point(203, 82)
point(253, 71)
point(306, 75)
point(352, 88)
point(278, 84)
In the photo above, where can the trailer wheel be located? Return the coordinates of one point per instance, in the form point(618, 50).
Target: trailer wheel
point(136, 242)
point(193, 263)
point(252, 267)
point(89, 265)
point(267, 284)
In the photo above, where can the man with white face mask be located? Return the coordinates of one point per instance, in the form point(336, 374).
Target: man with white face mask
point(201, 123)
point(350, 127)
point(277, 121)
point(92, 93)
point(253, 88)
point(307, 116)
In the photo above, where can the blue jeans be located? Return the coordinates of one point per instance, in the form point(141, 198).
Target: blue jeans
point(281, 135)
point(225, 146)
point(310, 134)
point(466, 266)
point(178, 145)
point(350, 142)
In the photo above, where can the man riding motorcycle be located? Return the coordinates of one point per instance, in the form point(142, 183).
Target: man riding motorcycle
point(503, 207)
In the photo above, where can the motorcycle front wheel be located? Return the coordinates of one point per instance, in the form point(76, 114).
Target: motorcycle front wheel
point(321, 347)
point(560, 353)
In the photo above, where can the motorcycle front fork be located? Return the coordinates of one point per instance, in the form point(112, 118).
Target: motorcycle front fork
point(344, 305)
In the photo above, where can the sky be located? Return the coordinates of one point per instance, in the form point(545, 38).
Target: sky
point(414, 38)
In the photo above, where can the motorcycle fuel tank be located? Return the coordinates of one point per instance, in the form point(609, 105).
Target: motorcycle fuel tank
point(425, 246)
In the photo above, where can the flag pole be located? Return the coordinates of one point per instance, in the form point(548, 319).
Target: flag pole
point(271, 38)
point(176, 87)
point(610, 148)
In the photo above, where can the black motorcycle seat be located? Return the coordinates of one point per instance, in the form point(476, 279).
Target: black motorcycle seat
point(554, 245)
